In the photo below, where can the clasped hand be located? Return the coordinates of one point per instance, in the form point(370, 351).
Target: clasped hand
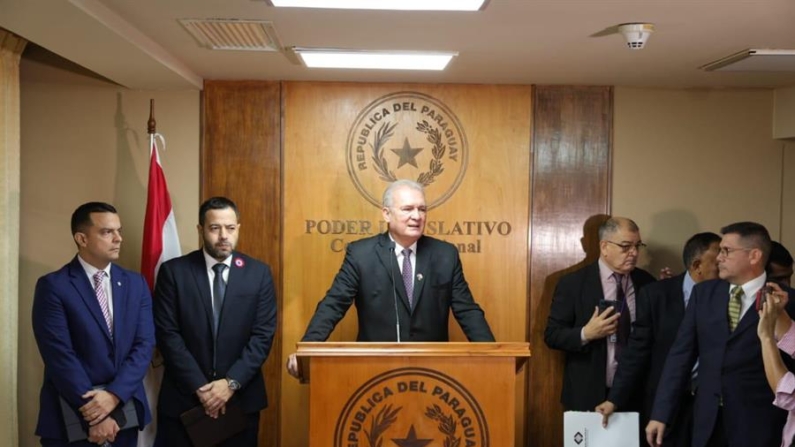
point(214, 397)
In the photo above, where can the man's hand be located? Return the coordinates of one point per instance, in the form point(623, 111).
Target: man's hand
point(99, 406)
point(104, 431)
point(292, 365)
point(601, 324)
point(606, 408)
point(666, 273)
point(214, 396)
point(654, 433)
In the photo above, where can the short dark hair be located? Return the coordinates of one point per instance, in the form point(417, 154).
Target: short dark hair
point(697, 245)
point(613, 224)
point(216, 203)
point(779, 255)
point(81, 218)
point(751, 232)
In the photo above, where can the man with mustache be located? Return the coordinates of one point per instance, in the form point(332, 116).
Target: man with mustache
point(215, 315)
point(590, 334)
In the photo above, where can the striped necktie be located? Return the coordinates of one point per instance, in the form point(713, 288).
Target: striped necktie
point(735, 304)
point(102, 298)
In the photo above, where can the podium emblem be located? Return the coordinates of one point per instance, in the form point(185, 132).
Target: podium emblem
point(411, 407)
point(407, 135)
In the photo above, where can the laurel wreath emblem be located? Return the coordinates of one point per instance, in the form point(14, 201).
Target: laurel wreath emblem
point(447, 425)
point(436, 165)
point(379, 424)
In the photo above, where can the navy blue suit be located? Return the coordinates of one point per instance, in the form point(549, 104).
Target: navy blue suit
point(730, 373)
point(77, 348)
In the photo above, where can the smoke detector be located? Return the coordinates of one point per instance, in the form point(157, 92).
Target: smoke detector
point(636, 34)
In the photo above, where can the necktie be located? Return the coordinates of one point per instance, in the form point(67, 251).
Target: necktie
point(219, 289)
point(735, 304)
point(102, 297)
point(407, 280)
point(624, 321)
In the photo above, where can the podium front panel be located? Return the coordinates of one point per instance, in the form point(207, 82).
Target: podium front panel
point(412, 401)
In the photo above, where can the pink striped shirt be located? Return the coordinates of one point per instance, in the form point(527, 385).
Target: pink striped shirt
point(785, 390)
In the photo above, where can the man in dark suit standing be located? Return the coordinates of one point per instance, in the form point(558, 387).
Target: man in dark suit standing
point(93, 324)
point(733, 403)
point(661, 307)
point(215, 315)
point(404, 284)
point(593, 337)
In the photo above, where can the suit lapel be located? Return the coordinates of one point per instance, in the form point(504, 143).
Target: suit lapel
point(676, 294)
point(118, 283)
point(236, 274)
point(423, 259)
point(199, 270)
point(80, 282)
point(389, 262)
point(594, 285)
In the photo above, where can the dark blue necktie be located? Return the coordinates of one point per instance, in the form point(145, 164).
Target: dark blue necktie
point(219, 289)
point(624, 321)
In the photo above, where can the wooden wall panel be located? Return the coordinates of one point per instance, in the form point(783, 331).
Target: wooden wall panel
point(571, 194)
point(241, 159)
point(318, 187)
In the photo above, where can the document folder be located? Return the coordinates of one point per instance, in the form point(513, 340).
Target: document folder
point(205, 431)
point(584, 429)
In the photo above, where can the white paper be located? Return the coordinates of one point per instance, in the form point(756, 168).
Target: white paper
point(584, 429)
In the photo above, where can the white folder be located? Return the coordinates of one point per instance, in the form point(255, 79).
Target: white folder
point(584, 429)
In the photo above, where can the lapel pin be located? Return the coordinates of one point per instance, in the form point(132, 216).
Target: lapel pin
point(419, 276)
point(118, 283)
point(239, 262)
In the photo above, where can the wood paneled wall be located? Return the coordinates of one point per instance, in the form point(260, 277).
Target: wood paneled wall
point(241, 160)
point(572, 129)
point(561, 197)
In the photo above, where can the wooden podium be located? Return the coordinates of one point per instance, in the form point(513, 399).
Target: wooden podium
point(411, 394)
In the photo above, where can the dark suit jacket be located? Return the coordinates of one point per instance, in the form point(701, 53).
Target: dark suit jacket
point(370, 278)
point(184, 324)
point(77, 348)
point(576, 296)
point(660, 308)
point(730, 369)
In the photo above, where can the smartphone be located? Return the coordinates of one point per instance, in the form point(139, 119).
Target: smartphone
point(603, 305)
point(761, 297)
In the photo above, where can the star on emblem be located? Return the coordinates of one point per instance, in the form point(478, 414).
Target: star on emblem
point(407, 154)
point(411, 440)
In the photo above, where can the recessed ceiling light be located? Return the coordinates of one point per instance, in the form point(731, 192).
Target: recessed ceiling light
point(382, 60)
point(405, 5)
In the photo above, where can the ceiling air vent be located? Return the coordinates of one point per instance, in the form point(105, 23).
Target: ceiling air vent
point(755, 60)
point(233, 34)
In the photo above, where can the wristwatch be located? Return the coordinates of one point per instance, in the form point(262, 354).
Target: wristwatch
point(234, 385)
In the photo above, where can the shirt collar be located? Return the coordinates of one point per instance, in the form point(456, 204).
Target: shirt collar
point(399, 248)
point(90, 269)
point(687, 286)
point(605, 272)
point(209, 261)
point(751, 287)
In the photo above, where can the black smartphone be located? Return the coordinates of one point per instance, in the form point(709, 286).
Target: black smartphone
point(604, 304)
point(761, 297)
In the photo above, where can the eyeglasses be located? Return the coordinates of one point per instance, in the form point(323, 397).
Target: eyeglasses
point(726, 251)
point(625, 248)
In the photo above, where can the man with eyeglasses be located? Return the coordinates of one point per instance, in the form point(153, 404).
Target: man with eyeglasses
point(583, 325)
point(661, 307)
point(404, 284)
point(733, 404)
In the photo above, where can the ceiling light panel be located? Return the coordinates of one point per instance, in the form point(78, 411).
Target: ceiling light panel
point(233, 34)
point(377, 60)
point(403, 5)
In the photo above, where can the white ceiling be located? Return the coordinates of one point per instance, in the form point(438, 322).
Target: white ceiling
point(141, 45)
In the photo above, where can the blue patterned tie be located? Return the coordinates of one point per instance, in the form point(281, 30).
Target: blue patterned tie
point(407, 280)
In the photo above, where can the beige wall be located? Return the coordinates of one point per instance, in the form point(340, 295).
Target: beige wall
point(85, 139)
point(687, 161)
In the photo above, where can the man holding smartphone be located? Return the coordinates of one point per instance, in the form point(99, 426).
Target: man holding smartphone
point(593, 335)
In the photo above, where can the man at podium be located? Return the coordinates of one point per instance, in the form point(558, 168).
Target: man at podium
point(404, 284)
